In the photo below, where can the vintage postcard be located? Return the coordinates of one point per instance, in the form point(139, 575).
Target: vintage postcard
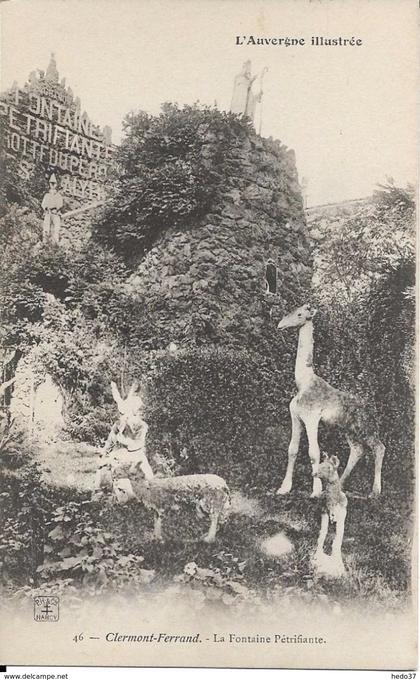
point(208, 304)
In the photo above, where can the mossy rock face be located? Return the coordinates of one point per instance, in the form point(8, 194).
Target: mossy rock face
point(219, 401)
point(198, 244)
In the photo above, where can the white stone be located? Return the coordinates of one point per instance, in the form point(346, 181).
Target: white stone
point(48, 409)
point(277, 545)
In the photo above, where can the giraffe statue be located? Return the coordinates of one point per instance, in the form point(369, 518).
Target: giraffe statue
point(316, 400)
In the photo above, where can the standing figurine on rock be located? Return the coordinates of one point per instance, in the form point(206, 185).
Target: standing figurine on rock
point(52, 204)
point(244, 100)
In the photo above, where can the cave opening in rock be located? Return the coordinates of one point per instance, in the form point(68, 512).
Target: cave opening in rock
point(271, 277)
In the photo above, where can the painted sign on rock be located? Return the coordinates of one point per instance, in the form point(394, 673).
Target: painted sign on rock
point(44, 126)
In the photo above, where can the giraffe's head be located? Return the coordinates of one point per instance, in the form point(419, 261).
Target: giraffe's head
point(297, 318)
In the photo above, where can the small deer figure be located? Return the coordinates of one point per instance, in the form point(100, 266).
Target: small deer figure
point(334, 510)
point(208, 492)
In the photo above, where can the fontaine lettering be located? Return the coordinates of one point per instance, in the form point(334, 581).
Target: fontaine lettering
point(42, 129)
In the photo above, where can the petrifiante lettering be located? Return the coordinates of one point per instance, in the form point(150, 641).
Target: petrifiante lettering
point(41, 129)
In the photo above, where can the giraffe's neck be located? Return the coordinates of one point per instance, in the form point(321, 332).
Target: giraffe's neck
point(304, 371)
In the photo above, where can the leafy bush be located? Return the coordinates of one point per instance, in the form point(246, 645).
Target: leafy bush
point(357, 249)
point(24, 508)
point(365, 330)
point(31, 273)
point(170, 168)
point(14, 448)
point(61, 308)
point(203, 586)
point(89, 424)
point(78, 548)
point(214, 409)
point(82, 358)
point(390, 337)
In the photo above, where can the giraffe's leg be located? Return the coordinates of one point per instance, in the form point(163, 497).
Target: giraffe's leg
point(356, 452)
point(340, 518)
point(322, 536)
point(338, 568)
point(378, 451)
point(158, 527)
point(293, 449)
point(213, 528)
point(311, 424)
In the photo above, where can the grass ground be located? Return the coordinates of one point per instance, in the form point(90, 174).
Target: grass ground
point(376, 546)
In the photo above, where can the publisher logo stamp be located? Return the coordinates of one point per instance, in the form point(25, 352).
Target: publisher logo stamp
point(46, 608)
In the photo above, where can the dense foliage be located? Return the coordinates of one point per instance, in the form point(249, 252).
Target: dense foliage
point(57, 308)
point(24, 507)
point(46, 537)
point(365, 280)
point(218, 410)
point(78, 547)
point(169, 170)
point(359, 248)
